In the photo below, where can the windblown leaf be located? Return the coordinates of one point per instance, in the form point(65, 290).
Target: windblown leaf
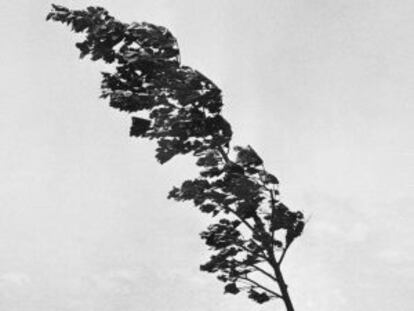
point(231, 288)
point(139, 126)
point(258, 297)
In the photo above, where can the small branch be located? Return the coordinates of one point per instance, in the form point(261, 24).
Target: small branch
point(272, 200)
point(248, 226)
point(244, 221)
point(252, 230)
point(259, 270)
point(277, 295)
point(223, 154)
point(250, 252)
point(283, 254)
point(264, 272)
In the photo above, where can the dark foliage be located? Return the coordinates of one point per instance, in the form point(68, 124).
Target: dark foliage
point(183, 109)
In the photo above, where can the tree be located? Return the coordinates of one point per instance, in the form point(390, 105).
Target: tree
point(182, 108)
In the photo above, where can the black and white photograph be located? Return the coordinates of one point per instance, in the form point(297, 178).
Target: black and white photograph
point(189, 155)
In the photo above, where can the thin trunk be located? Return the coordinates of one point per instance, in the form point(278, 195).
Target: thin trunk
point(281, 282)
point(283, 288)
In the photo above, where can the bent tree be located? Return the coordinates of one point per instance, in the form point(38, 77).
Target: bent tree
point(180, 109)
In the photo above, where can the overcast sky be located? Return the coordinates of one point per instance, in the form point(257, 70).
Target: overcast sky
point(322, 89)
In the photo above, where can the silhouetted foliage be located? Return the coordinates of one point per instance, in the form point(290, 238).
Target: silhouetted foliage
point(253, 229)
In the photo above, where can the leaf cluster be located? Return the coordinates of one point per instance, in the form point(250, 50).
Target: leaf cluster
point(183, 106)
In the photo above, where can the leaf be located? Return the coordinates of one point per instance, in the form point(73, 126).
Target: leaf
point(247, 156)
point(234, 168)
point(209, 159)
point(246, 210)
point(258, 297)
point(278, 243)
point(270, 179)
point(212, 172)
point(207, 208)
point(139, 126)
point(58, 7)
point(231, 288)
point(49, 16)
point(83, 47)
point(295, 231)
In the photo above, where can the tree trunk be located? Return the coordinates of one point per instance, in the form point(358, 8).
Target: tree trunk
point(283, 288)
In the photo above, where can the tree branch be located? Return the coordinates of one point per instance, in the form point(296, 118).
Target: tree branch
point(252, 230)
point(258, 268)
point(249, 251)
point(283, 254)
point(264, 272)
point(223, 154)
point(277, 295)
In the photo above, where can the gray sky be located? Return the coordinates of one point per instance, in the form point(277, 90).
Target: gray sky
point(322, 89)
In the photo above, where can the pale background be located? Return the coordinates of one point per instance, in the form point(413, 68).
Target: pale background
point(322, 89)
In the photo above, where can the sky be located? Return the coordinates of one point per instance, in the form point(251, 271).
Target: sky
point(323, 90)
